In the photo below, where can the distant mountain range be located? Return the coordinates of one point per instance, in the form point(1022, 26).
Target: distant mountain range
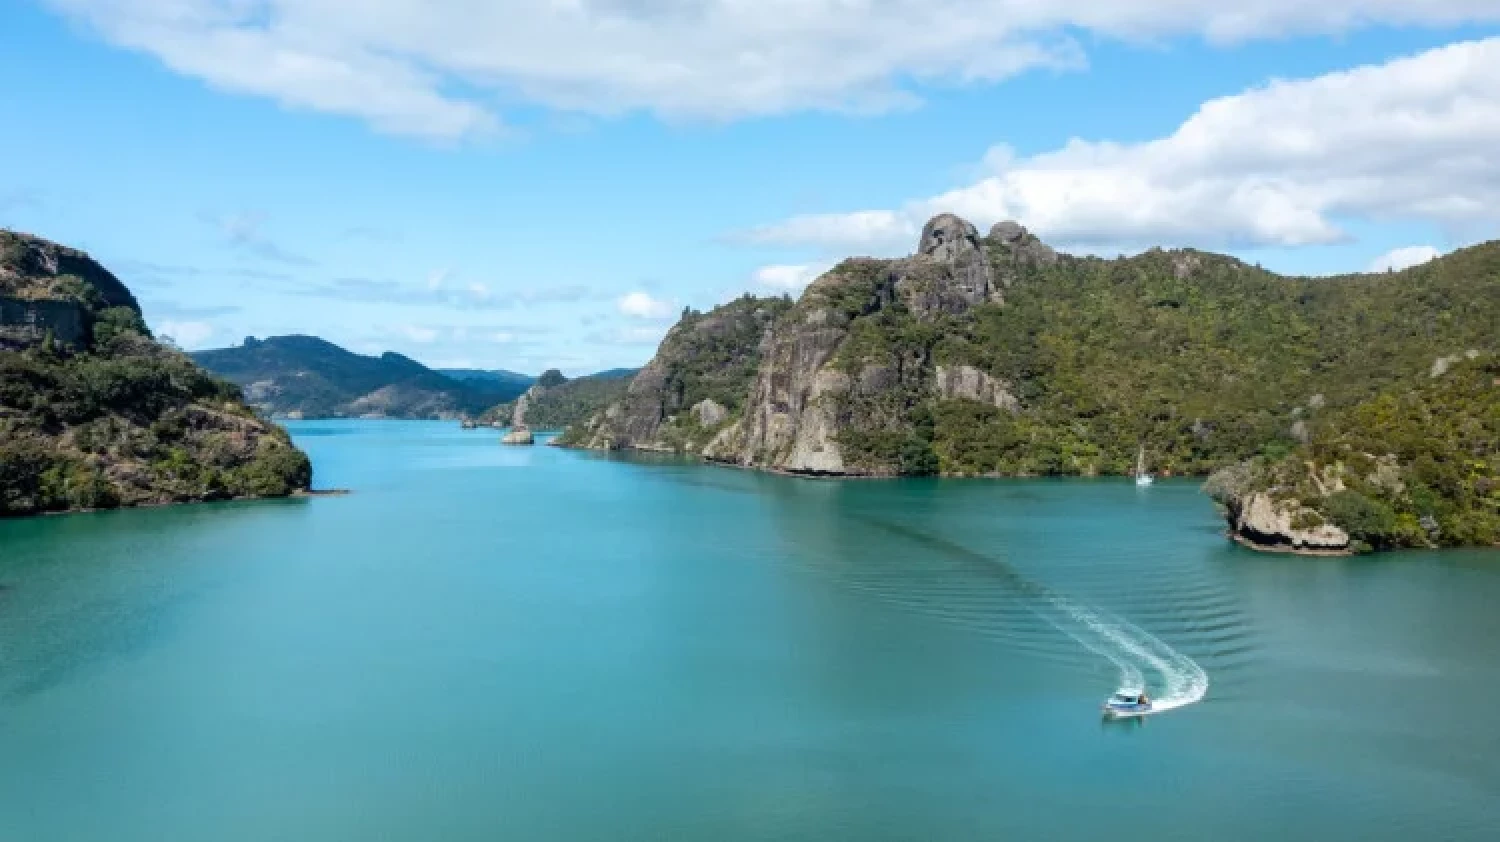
point(499, 377)
point(308, 377)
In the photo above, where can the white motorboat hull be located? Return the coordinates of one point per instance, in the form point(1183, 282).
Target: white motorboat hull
point(1128, 713)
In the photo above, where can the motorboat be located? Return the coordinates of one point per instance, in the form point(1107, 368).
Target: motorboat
point(1127, 703)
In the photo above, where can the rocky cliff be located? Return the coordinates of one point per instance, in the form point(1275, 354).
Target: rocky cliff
point(695, 385)
point(994, 355)
point(94, 413)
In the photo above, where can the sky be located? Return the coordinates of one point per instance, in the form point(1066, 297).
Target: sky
point(529, 184)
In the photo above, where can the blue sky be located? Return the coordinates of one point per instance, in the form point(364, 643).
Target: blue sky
point(526, 184)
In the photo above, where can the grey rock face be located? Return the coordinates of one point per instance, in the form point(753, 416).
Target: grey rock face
point(1268, 523)
point(790, 419)
point(518, 436)
point(1017, 249)
point(955, 244)
point(1441, 365)
point(29, 265)
point(1009, 232)
point(966, 381)
point(518, 415)
point(644, 418)
point(24, 323)
point(709, 413)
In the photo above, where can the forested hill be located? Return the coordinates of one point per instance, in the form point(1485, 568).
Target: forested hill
point(308, 377)
point(995, 355)
point(94, 413)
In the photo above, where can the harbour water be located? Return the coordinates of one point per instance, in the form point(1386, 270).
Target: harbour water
point(487, 643)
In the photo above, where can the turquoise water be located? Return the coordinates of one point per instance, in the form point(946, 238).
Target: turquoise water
point(488, 643)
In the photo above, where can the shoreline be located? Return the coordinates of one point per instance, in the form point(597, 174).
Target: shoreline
point(1287, 549)
point(810, 475)
point(302, 494)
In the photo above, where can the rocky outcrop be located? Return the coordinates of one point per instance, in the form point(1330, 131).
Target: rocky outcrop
point(709, 413)
point(25, 323)
point(1015, 250)
point(519, 433)
point(966, 381)
point(1263, 522)
point(518, 436)
point(701, 373)
point(51, 291)
point(34, 268)
point(953, 242)
point(1264, 515)
point(1441, 365)
point(825, 371)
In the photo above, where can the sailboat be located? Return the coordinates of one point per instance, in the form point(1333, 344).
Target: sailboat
point(1142, 477)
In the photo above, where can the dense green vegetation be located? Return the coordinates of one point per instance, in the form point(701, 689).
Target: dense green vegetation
point(124, 420)
point(304, 376)
point(714, 355)
point(1416, 465)
point(1200, 358)
point(562, 404)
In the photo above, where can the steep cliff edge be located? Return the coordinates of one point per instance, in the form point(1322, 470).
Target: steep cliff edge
point(695, 385)
point(95, 414)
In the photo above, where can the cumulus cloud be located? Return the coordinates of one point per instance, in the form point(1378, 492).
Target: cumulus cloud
point(1403, 258)
point(641, 305)
point(1277, 165)
point(789, 277)
point(186, 334)
point(432, 68)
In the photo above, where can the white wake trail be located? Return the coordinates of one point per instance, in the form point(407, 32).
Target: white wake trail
point(1130, 647)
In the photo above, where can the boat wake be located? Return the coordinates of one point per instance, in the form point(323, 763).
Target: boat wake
point(1143, 661)
point(1134, 652)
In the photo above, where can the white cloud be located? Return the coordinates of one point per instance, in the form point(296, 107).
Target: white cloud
point(479, 291)
point(1276, 165)
point(1403, 258)
point(641, 305)
point(186, 334)
point(400, 64)
point(438, 279)
point(789, 278)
